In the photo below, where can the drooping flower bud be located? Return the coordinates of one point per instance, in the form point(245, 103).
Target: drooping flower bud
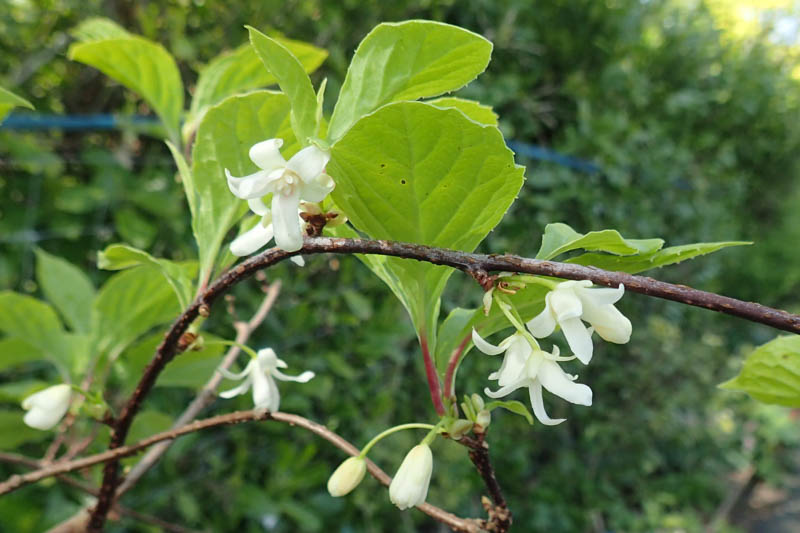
point(347, 476)
point(409, 486)
point(47, 407)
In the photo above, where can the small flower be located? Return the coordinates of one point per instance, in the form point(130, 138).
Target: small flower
point(259, 235)
point(573, 301)
point(303, 177)
point(409, 486)
point(260, 373)
point(347, 476)
point(524, 366)
point(47, 407)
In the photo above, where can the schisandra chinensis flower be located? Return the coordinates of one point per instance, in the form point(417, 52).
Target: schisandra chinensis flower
point(303, 177)
point(573, 301)
point(260, 373)
point(47, 407)
point(347, 476)
point(524, 366)
point(409, 486)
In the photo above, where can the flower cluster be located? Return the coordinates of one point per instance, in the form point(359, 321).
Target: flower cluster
point(302, 178)
point(525, 364)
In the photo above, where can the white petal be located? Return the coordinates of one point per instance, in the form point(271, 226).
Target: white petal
point(252, 240)
point(298, 260)
point(544, 323)
point(535, 391)
point(578, 338)
point(254, 185)
point(308, 163)
point(257, 206)
point(47, 407)
point(318, 188)
point(514, 362)
point(409, 487)
point(265, 392)
point(302, 378)
point(267, 359)
point(564, 303)
point(604, 296)
point(556, 381)
point(236, 376)
point(267, 154)
point(236, 391)
point(608, 322)
point(485, 347)
point(508, 389)
point(286, 221)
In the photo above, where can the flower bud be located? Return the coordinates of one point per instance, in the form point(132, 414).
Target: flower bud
point(484, 418)
point(347, 476)
point(459, 428)
point(477, 401)
point(47, 407)
point(409, 486)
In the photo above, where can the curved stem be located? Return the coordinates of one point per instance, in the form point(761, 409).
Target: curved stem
point(365, 450)
point(467, 262)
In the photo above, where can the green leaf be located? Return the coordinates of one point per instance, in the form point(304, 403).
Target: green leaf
point(452, 331)
point(771, 373)
point(97, 29)
point(179, 276)
point(14, 432)
point(9, 101)
point(224, 138)
point(16, 351)
point(514, 406)
point(187, 179)
point(559, 238)
point(142, 66)
point(417, 173)
point(482, 114)
point(639, 263)
point(241, 70)
point(67, 288)
point(293, 81)
point(129, 305)
point(192, 369)
point(147, 423)
point(406, 61)
point(27, 317)
point(16, 391)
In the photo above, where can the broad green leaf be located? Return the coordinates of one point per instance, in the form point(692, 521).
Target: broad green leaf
point(67, 288)
point(179, 276)
point(191, 369)
point(14, 432)
point(771, 373)
point(142, 66)
point(16, 391)
point(241, 70)
point(482, 114)
point(129, 305)
point(417, 173)
point(187, 179)
point(9, 101)
point(97, 29)
point(16, 351)
point(559, 238)
point(452, 331)
point(518, 408)
point(26, 317)
point(224, 138)
point(406, 61)
point(293, 81)
point(639, 263)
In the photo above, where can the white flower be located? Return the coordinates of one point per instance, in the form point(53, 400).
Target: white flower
point(409, 486)
point(260, 373)
point(259, 235)
point(347, 476)
point(47, 407)
point(573, 301)
point(524, 366)
point(301, 178)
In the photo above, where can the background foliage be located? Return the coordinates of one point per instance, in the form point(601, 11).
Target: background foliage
point(696, 137)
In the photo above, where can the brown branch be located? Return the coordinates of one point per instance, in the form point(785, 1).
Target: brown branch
point(57, 469)
point(207, 395)
point(464, 261)
point(500, 518)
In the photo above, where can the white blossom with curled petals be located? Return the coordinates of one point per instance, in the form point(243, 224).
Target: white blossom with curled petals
point(573, 301)
point(303, 177)
point(524, 366)
point(260, 374)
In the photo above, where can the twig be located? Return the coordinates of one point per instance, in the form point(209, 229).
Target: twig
point(207, 395)
point(499, 514)
point(464, 261)
point(237, 417)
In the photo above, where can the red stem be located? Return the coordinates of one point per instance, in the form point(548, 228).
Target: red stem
point(452, 364)
point(433, 379)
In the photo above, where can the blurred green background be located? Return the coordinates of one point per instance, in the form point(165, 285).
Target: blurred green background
point(690, 110)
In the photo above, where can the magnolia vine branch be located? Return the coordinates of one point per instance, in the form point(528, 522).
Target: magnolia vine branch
point(477, 265)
